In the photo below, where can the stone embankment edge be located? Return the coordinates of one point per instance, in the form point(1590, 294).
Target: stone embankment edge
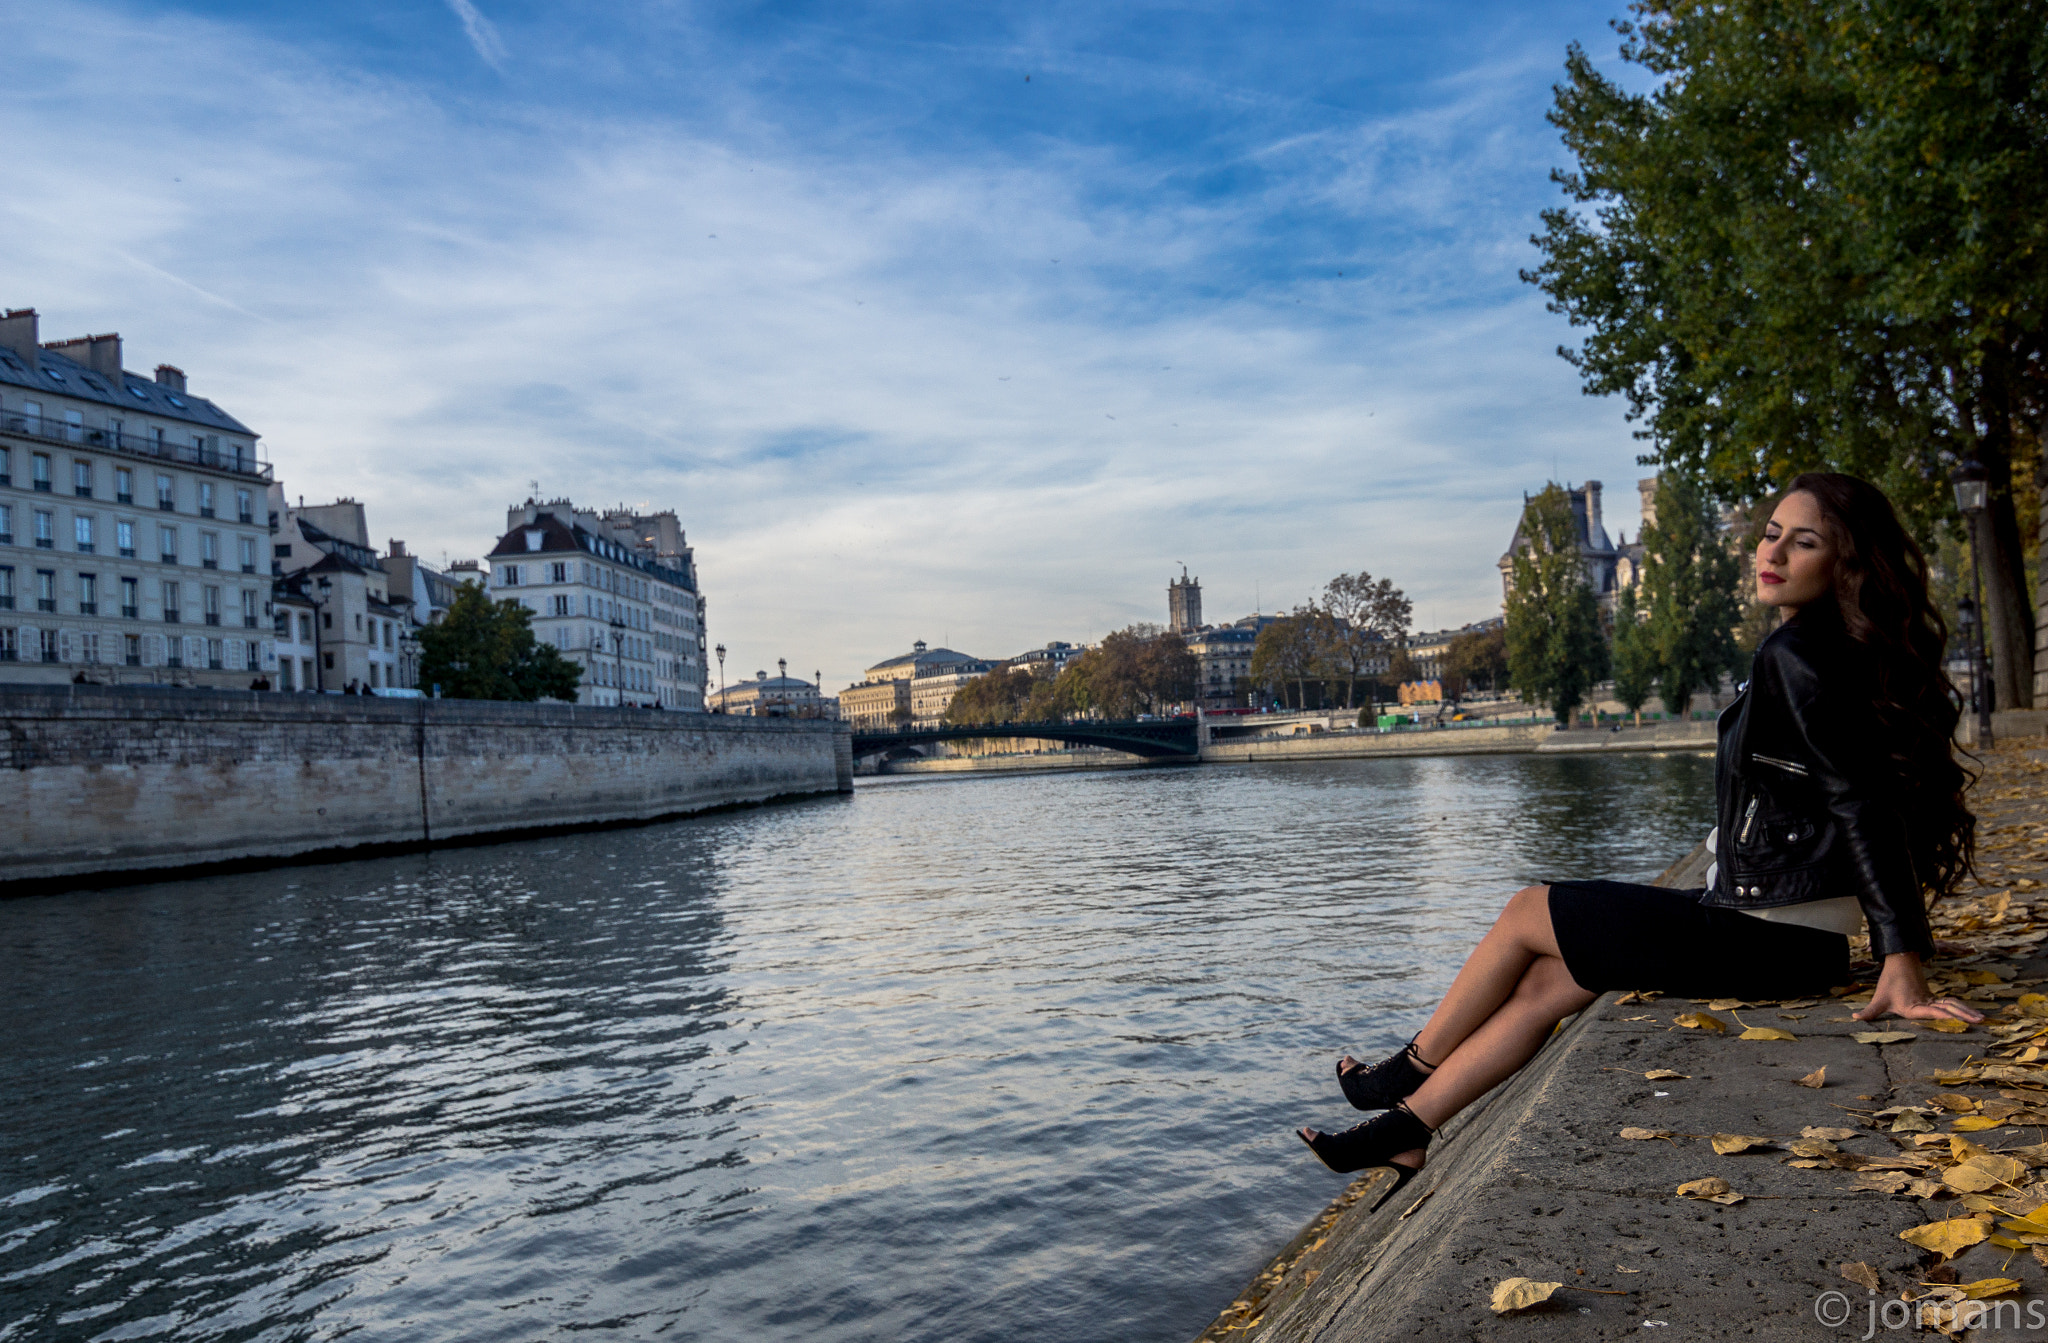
point(1537, 1183)
point(125, 784)
point(1522, 739)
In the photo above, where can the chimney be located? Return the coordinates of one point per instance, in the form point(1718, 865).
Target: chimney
point(1596, 535)
point(18, 333)
point(171, 376)
point(101, 354)
point(398, 550)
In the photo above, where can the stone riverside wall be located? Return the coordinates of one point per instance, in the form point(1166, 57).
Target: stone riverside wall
point(111, 779)
point(1513, 739)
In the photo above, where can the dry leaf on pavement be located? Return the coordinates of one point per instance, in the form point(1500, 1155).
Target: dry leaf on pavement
point(1728, 1144)
point(1988, 1287)
point(1666, 1075)
point(1883, 1037)
point(1700, 1021)
point(1948, 1238)
point(1713, 1189)
point(1812, 1147)
point(1766, 1033)
point(1816, 1079)
point(1520, 1293)
point(1835, 1133)
point(1644, 1134)
point(1863, 1275)
point(1946, 1025)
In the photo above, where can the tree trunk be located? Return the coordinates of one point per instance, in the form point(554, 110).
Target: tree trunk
point(2009, 615)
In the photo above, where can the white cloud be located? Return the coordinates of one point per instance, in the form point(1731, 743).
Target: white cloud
point(482, 34)
point(882, 408)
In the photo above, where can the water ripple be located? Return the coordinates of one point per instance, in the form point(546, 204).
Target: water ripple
point(950, 1060)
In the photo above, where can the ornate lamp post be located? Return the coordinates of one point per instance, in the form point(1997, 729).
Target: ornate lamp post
point(720, 650)
point(1971, 482)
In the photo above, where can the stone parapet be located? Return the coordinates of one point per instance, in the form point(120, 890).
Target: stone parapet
point(127, 779)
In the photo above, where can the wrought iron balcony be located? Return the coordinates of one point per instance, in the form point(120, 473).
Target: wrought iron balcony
point(241, 461)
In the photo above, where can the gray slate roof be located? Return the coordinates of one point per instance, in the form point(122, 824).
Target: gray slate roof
point(65, 376)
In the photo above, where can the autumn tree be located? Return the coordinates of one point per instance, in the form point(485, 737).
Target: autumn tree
point(1690, 593)
point(1556, 649)
point(1817, 238)
point(1286, 653)
point(486, 650)
point(1365, 618)
point(1479, 657)
point(995, 697)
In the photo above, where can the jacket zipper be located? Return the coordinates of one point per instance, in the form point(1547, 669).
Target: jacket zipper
point(1789, 766)
point(1748, 820)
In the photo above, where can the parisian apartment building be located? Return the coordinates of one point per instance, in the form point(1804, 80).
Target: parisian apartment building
point(134, 532)
point(616, 593)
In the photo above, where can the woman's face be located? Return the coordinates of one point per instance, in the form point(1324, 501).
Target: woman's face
point(1795, 562)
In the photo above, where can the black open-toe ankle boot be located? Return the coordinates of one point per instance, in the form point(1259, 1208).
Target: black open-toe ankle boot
point(1374, 1143)
point(1381, 1085)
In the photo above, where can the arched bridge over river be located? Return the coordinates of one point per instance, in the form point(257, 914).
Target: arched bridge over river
point(1160, 738)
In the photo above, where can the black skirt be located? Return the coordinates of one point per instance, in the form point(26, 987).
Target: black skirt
point(1615, 935)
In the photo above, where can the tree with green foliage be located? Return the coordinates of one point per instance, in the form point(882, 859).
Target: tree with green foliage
point(1365, 617)
point(1691, 593)
point(1556, 649)
point(1818, 239)
point(486, 650)
point(1132, 671)
point(1634, 655)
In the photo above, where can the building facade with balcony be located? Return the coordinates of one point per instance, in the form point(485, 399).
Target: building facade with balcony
point(133, 538)
point(362, 634)
point(616, 594)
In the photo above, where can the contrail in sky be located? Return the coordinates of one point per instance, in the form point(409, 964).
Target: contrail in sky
point(483, 34)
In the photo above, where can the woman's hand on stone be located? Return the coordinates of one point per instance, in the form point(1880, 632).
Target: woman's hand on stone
point(1902, 991)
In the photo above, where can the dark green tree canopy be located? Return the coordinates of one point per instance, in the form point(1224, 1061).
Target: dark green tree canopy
point(1690, 593)
point(1820, 242)
point(1556, 648)
point(486, 650)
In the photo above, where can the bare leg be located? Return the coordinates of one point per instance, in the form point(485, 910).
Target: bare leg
point(1513, 990)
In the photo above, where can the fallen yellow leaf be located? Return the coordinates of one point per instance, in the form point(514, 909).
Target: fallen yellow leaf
point(1832, 1134)
point(1863, 1275)
point(1816, 1079)
point(1513, 1294)
point(1666, 1075)
point(1812, 1147)
point(1766, 1033)
point(1949, 1238)
point(1981, 977)
point(1989, 1287)
point(1644, 1134)
point(1946, 1025)
point(1713, 1188)
point(1728, 1144)
point(1700, 1021)
point(1883, 1037)
point(1975, 1123)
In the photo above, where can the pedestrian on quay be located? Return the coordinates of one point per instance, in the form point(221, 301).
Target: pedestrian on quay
point(1839, 803)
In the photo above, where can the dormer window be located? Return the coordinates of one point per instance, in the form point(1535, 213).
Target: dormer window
point(534, 537)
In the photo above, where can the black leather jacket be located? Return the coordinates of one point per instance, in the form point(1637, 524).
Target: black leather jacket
point(1800, 783)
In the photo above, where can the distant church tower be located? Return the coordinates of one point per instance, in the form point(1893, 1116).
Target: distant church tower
point(1184, 603)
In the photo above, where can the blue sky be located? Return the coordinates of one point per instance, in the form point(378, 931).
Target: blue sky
point(968, 323)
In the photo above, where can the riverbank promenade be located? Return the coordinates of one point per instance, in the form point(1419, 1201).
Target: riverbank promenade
point(1837, 1157)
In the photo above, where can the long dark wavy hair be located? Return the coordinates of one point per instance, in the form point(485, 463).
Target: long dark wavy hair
point(1882, 601)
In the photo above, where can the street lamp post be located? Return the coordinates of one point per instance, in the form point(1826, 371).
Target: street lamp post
point(1971, 481)
point(619, 661)
point(720, 650)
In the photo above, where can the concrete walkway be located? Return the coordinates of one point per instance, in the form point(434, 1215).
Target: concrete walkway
point(1535, 1182)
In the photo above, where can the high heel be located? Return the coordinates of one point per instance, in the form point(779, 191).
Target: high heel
point(1374, 1143)
point(1381, 1085)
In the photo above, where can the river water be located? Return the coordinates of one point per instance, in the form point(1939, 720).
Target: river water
point(995, 1058)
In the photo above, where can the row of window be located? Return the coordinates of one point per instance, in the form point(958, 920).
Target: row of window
point(88, 537)
point(612, 581)
point(95, 648)
point(87, 587)
point(84, 477)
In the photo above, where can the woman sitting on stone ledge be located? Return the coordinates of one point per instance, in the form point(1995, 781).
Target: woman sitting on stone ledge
point(1839, 802)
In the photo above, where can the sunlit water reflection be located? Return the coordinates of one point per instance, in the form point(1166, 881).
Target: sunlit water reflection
point(1000, 1058)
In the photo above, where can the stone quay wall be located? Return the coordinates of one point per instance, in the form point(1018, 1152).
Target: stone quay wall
point(106, 780)
point(1512, 739)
